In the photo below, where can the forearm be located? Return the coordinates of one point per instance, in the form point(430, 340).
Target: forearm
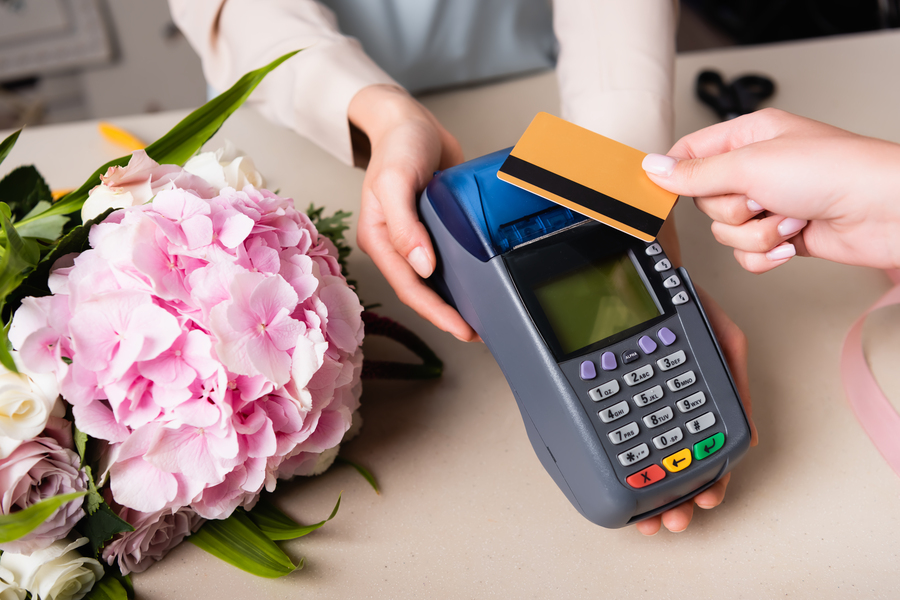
point(310, 93)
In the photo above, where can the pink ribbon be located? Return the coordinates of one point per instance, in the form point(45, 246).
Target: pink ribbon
point(872, 408)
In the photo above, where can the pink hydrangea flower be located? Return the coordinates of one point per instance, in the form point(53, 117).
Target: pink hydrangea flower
point(209, 337)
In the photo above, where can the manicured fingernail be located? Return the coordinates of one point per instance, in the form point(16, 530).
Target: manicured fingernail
point(790, 226)
point(419, 261)
point(781, 252)
point(659, 164)
point(754, 206)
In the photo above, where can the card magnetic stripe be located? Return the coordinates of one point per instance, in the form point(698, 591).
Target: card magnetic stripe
point(582, 195)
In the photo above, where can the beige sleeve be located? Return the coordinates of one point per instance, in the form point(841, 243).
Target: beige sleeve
point(616, 68)
point(311, 92)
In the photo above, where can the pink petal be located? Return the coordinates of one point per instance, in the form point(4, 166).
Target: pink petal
point(140, 485)
point(97, 420)
point(271, 296)
point(198, 231)
point(235, 230)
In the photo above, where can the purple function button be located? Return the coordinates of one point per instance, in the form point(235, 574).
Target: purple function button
point(608, 361)
point(647, 344)
point(666, 336)
point(587, 370)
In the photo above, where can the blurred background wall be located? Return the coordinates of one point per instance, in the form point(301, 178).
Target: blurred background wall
point(65, 60)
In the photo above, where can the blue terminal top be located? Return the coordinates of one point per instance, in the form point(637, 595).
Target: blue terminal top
point(489, 216)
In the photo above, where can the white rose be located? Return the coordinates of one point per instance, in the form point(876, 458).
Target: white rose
point(27, 400)
point(9, 589)
point(59, 572)
point(103, 197)
point(225, 168)
point(325, 460)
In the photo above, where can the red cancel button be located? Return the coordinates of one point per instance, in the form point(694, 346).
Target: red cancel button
point(651, 474)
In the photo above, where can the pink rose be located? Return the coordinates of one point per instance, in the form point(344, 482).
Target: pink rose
point(153, 536)
point(39, 469)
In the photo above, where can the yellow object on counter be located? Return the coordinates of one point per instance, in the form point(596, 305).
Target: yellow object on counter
point(120, 137)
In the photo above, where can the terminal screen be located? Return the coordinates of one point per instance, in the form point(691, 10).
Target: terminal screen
point(594, 302)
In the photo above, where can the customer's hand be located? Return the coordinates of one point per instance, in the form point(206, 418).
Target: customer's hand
point(734, 346)
point(775, 184)
point(407, 146)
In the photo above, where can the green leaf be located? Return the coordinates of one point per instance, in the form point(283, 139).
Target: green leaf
point(125, 582)
point(21, 523)
point(20, 256)
point(48, 228)
point(35, 284)
point(278, 526)
point(107, 588)
point(362, 471)
point(6, 358)
point(333, 228)
point(81, 439)
point(7, 144)
point(431, 367)
point(183, 140)
point(22, 189)
point(100, 522)
point(239, 542)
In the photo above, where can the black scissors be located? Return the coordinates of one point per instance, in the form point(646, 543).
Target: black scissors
point(739, 97)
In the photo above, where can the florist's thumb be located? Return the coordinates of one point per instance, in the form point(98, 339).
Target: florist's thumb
point(697, 177)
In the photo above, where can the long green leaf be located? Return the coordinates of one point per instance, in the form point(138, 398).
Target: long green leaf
point(7, 144)
point(107, 588)
point(239, 542)
point(278, 526)
point(20, 255)
point(362, 471)
point(6, 358)
point(46, 228)
point(183, 140)
point(21, 523)
point(35, 284)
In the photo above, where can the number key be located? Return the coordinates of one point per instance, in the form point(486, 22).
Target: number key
point(648, 396)
point(682, 381)
point(673, 436)
point(664, 415)
point(638, 375)
point(625, 433)
point(673, 360)
point(691, 402)
point(616, 411)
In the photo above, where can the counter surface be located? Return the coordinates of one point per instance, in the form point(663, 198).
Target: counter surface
point(466, 509)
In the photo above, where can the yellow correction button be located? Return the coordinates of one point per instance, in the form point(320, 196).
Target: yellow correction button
point(678, 461)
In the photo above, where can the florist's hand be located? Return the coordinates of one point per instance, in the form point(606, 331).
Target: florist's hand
point(407, 146)
point(775, 184)
point(734, 345)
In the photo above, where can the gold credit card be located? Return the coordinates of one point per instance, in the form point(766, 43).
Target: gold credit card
point(590, 174)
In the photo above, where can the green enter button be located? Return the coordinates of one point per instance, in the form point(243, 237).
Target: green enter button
point(709, 446)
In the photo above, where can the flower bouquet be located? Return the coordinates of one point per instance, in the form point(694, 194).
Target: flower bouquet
point(190, 343)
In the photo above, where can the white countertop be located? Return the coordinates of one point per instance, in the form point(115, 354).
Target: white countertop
point(466, 509)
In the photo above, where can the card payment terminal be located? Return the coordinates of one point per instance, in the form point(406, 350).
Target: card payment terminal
point(622, 386)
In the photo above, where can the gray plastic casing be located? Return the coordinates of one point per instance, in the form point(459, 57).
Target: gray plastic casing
point(562, 430)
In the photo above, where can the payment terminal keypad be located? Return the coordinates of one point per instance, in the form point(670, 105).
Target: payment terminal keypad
point(652, 408)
